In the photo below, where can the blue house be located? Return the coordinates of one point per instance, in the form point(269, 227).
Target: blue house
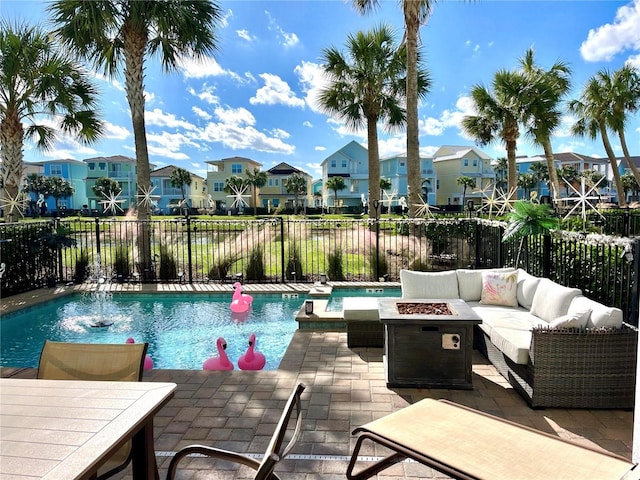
point(74, 172)
point(394, 168)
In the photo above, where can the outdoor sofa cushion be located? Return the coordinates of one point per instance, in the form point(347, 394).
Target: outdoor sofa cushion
point(552, 300)
point(429, 284)
point(601, 315)
point(527, 286)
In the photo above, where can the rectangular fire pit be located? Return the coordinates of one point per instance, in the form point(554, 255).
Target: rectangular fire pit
point(428, 343)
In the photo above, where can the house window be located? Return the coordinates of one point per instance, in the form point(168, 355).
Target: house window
point(56, 170)
point(276, 182)
point(92, 166)
point(475, 162)
point(218, 186)
point(402, 164)
point(236, 168)
point(270, 183)
point(333, 163)
point(344, 163)
point(102, 165)
point(437, 184)
point(466, 162)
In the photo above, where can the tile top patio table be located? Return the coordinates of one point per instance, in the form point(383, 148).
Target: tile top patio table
point(65, 429)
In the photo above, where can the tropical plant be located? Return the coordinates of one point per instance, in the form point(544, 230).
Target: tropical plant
point(255, 265)
point(500, 168)
point(297, 185)
point(334, 265)
point(629, 183)
point(60, 188)
point(39, 82)
point(569, 175)
point(426, 188)
point(527, 181)
point(168, 267)
point(54, 239)
point(594, 116)
point(368, 85)
point(81, 269)
point(106, 187)
point(180, 178)
point(465, 182)
point(222, 267)
point(498, 113)
point(256, 179)
point(38, 185)
point(336, 184)
point(232, 185)
point(294, 263)
point(548, 87)
point(385, 184)
point(115, 34)
point(121, 265)
point(528, 218)
point(416, 13)
point(540, 172)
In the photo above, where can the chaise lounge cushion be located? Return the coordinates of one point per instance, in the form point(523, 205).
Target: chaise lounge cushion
point(601, 315)
point(429, 284)
point(552, 300)
point(527, 286)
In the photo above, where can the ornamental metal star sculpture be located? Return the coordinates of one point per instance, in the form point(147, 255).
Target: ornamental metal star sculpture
point(238, 196)
point(146, 198)
point(112, 202)
point(18, 203)
point(424, 209)
point(389, 198)
point(488, 201)
point(582, 200)
point(506, 201)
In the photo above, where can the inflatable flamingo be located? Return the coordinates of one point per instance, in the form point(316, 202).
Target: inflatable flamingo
point(148, 361)
point(221, 362)
point(240, 302)
point(252, 360)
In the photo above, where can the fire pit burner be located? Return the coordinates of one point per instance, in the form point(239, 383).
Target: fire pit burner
point(423, 308)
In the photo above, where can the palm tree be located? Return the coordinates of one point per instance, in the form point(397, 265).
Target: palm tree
point(115, 34)
point(594, 177)
point(593, 112)
point(526, 219)
point(234, 184)
point(416, 13)
point(60, 188)
point(465, 182)
point(569, 174)
point(385, 184)
point(336, 184)
point(296, 184)
point(39, 82)
point(426, 188)
point(527, 181)
point(501, 167)
point(180, 178)
point(106, 187)
point(366, 86)
point(623, 96)
point(498, 113)
point(540, 171)
point(545, 116)
point(629, 183)
point(256, 179)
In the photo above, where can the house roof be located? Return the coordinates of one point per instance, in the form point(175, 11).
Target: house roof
point(452, 152)
point(623, 161)
point(233, 159)
point(168, 170)
point(113, 158)
point(285, 169)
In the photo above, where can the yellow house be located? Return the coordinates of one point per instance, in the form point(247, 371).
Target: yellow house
point(453, 162)
point(219, 171)
point(274, 194)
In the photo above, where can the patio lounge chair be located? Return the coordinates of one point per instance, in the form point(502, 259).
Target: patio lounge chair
point(275, 451)
point(467, 444)
point(93, 361)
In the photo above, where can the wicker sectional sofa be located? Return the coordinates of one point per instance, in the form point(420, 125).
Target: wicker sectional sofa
point(555, 346)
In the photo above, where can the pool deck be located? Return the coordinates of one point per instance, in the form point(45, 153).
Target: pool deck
point(346, 388)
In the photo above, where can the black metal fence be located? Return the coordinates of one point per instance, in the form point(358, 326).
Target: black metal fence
point(278, 250)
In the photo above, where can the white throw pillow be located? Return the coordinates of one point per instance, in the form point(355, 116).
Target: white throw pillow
point(572, 320)
point(499, 288)
point(429, 284)
point(552, 300)
point(527, 286)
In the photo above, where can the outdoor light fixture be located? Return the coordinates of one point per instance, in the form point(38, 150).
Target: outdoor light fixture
point(323, 278)
point(308, 307)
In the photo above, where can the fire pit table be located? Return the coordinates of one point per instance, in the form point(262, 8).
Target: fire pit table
point(428, 343)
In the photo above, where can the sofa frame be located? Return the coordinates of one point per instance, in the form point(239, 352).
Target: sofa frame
point(572, 368)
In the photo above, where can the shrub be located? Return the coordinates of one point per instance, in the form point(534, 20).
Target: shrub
point(294, 264)
point(168, 268)
point(383, 266)
point(221, 269)
point(334, 266)
point(121, 263)
point(81, 267)
point(255, 265)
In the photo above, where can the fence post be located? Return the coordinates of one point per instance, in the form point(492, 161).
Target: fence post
point(635, 293)
point(190, 263)
point(97, 222)
point(283, 261)
point(377, 220)
point(626, 223)
point(478, 243)
point(546, 255)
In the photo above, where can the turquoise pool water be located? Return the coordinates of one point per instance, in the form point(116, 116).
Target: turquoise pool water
point(339, 294)
point(181, 329)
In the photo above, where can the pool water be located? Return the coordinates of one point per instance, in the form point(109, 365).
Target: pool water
point(339, 294)
point(181, 329)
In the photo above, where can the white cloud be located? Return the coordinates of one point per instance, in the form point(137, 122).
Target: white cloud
point(115, 132)
point(275, 91)
point(224, 20)
point(307, 124)
point(287, 39)
point(240, 137)
point(235, 116)
point(194, 67)
point(312, 79)
point(610, 39)
point(169, 145)
point(320, 148)
point(245, 35)
point(201, 113)
point(279, 133)
point(634, 61)
point(207, 95)
point(158, 118)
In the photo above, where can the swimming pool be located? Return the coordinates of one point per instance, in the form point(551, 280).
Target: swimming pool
point(339, 294)
point(181, 329)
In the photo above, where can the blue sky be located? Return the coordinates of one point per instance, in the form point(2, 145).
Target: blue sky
point(255, 97)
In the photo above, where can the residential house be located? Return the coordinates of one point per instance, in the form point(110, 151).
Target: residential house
point(316, 188)
point(352, 164)
point(623, 168)
point(394, 169)
point(119, 168)
point(169, 198)
point(220, 170)
point(274, 194)
point(73, 171)
point(452, 162)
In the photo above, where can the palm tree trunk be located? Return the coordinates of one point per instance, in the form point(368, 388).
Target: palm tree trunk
point(510, 138)
point(134, 45)
point(374, 163)
point(551, 167)
point(11, 140)
point(412, 26)
point(625, 150)
point(622, 201)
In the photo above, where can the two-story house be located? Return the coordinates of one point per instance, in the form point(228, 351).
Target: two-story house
point(169, 198)
point(274, 194)
point(219, 171)
point(119, 168)
point(394, 169)
point(73, 171)
point(452, 162)
point(352, 164)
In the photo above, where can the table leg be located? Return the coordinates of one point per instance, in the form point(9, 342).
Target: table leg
point(143, 454)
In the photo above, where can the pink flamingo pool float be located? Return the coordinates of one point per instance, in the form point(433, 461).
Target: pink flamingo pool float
point(148, 361)
point(221, 362)
point(252, 360)
point(240, 302)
